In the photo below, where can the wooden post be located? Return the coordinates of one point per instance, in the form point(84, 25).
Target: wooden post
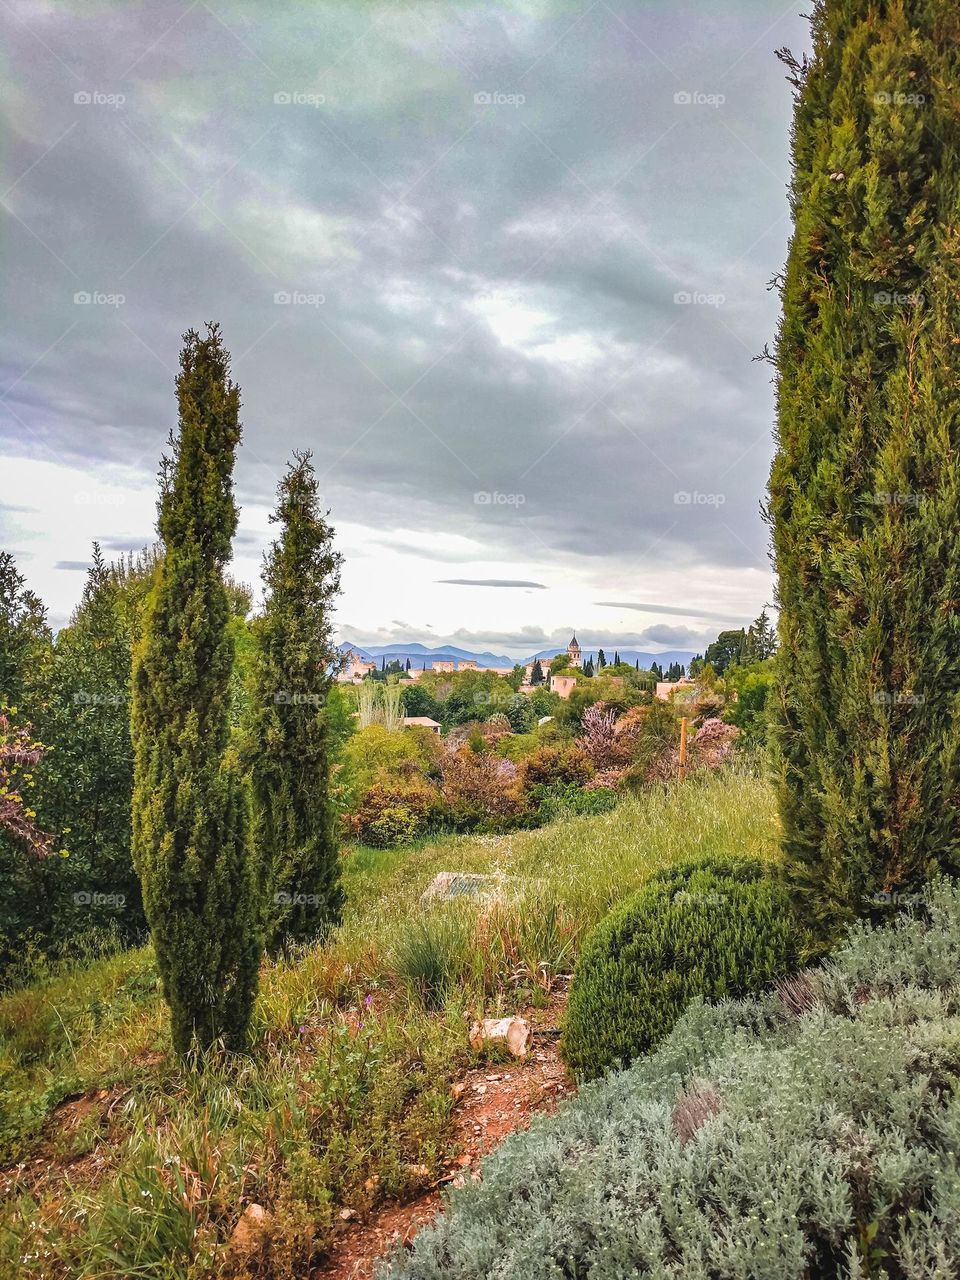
point(682, 772)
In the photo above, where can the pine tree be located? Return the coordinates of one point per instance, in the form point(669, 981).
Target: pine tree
point(295, 822)
point(601, 660)
point(536, 675)
point(761, 638)
point(865, 486)
point(191, 843)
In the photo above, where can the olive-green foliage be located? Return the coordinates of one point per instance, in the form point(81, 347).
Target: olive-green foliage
point(295, 820)
point(865, 488)
point(711, 929)
point(191, 841)
point(808, 1134)
point(86, 779)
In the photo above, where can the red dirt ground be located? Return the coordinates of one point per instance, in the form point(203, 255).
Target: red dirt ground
point(493, 1101)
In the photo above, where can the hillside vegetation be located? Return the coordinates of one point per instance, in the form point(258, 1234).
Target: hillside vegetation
point(120, 1162)
point(807, 1133)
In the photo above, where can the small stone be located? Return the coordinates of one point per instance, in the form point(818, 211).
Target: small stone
point(347, 1214)
point(248, 1232)
point(514, 1032)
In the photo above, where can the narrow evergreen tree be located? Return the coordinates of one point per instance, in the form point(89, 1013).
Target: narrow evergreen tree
point(536, 675)
point(295, 822)
point(191, 842)
point(601, 660)
point(865, 485)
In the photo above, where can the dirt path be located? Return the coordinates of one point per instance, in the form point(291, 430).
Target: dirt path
point(493, 1101)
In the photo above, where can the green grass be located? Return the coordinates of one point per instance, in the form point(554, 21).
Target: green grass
point(344, 1099)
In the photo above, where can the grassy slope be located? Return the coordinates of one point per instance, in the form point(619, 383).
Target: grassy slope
point(345, 1097)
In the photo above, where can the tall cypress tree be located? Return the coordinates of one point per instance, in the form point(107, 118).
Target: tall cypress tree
point(865, 486)
point(295, 831)
point(191, 841)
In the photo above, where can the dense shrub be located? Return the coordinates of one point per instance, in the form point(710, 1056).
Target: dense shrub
point(556, 764)
point(393, 815)
point(764, 1137)
point(707, 929)
point(480, 791)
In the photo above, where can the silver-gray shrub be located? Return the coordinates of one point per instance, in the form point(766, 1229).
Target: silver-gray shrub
point(834, 1151)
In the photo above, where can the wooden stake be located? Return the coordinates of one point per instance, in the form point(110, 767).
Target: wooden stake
point(682, 772)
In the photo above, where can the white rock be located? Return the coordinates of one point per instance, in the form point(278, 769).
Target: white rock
point(515, 1032)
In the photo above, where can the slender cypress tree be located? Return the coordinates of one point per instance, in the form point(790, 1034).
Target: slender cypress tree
point(190, 808)
point(865, 485)
point(296, 834)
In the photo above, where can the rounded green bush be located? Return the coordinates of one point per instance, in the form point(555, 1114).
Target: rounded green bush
point(713, 929)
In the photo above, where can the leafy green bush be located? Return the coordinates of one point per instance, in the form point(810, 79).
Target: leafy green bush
point(391, 815)
point(807, 1133)
point(709, 929)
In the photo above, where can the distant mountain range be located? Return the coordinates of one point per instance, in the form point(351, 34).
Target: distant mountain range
point(420, 655)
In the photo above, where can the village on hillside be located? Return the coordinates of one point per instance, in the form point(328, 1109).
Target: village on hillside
point(537, 672)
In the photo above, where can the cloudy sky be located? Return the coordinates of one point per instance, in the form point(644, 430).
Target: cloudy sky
point(501, 265)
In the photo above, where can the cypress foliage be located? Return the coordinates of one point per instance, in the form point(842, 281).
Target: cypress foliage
point(865, 485)
point(191, 842)
point(296, 833)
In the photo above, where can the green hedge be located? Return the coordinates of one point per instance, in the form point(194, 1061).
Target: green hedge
point(710, 929)
point(803, 1134)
